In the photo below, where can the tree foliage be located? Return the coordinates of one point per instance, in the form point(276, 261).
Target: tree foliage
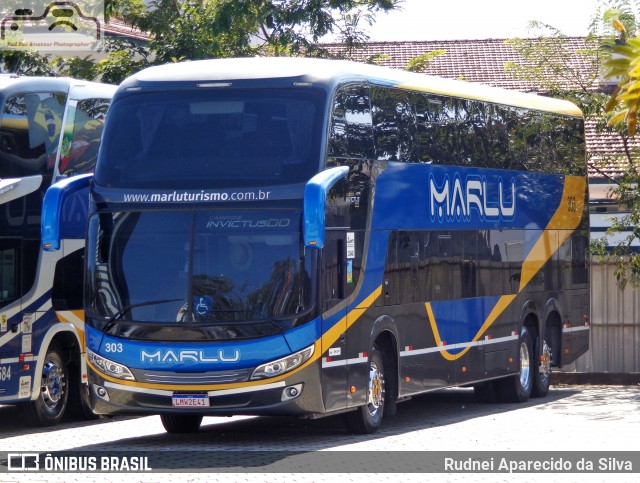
point(201, 29)
point(421, 62)
point(623, 65)
point(182, 30)
point(549, 66)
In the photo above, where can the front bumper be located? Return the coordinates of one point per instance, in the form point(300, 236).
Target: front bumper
point(298, 395)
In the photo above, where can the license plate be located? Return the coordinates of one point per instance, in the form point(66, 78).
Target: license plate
point(190, 400)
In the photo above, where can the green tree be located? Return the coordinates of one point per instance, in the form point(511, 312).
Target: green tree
point(26, 62)
point(201, 29)
point(624, 66)
point(421, 62)
point(548, 67)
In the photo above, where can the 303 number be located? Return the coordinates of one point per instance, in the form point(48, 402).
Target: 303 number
point(113, 347)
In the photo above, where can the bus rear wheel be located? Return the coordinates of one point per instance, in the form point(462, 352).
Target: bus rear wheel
point(367, 419)
point(50, 405)
point(181, 423)
point(542, 371)
point(517, 388)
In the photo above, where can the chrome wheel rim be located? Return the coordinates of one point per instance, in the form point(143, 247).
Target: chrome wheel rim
point(376, 389)
point(52, 388)
point(545, 361)
point(525, 365)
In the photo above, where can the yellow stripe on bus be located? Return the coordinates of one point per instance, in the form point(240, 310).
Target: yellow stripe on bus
point(497, 310)
point(565, 220)
point(563, 223)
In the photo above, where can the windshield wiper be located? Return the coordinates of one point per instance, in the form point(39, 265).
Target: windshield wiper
point(112, 320)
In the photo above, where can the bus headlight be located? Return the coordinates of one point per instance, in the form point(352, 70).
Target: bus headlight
point(109, 367)
point(281, 366)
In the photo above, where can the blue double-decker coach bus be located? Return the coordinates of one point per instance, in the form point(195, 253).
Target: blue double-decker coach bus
point(312, 237)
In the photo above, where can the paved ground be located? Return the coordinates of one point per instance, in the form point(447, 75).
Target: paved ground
point(588, 420)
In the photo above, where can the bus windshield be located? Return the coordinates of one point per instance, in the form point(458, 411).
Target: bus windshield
point(212, 138)
point(202, 267)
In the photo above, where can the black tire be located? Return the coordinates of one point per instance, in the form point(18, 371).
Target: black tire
point(49, 407)
point(181, 423)
point(485, 392)
point(367, 419)
point(79, 408)
point(517, 388)
point(542, 370)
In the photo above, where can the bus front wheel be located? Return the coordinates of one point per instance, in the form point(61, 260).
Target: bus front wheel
point(181, 423)
point(50, 405)
point(367, 419)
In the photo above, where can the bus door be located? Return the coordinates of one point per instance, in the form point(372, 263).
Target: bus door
point(334, 321)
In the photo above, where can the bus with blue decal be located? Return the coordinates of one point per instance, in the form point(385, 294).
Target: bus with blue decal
point(311, 237)
point(50, 129)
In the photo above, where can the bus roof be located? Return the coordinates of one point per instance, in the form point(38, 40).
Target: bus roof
point(11, 83)
point(275, 70)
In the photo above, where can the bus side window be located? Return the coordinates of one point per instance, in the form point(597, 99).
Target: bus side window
point(67, 285)
point(351, 132)
point(394, 124)
point(442, 259)
point(9, 276)
point(29, 133)
point(438, 130)
point(81, 138)
point(579, 258)
point(402, 268)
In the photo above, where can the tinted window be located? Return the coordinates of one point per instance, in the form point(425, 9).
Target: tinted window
point(82, 134)
point(212, 138)
point(29, 133)
point(18, 264)
point(203, 266)
point(8, 272)
point(67, 289)
point(351, 133)
point(472, 133)
point(452, 264)
point(394, 124)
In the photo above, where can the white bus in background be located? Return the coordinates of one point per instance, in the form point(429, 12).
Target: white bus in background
point(50, 129)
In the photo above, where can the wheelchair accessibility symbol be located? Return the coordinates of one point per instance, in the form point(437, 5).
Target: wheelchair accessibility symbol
point(202, 305)
point(63, 25)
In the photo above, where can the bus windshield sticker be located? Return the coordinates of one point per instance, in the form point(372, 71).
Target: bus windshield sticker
point(202, 305)
point(26, 343)
point(351, 245)
point(25, 387)
point(27, 323)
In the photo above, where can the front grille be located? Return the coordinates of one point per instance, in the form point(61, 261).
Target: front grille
point(213, 377)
